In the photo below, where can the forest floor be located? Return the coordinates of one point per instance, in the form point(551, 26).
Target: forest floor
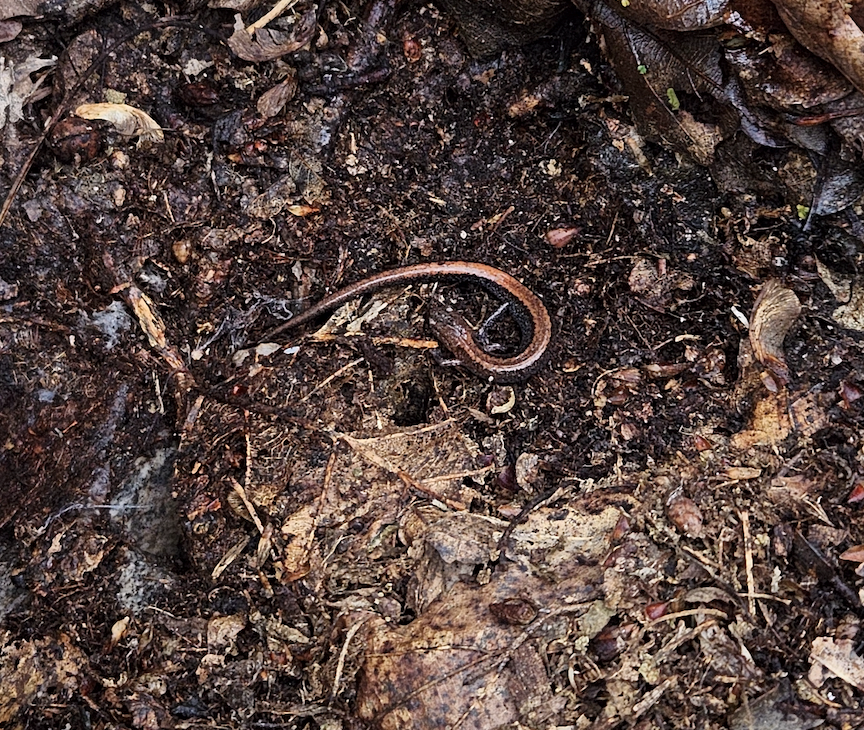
point(334, 529)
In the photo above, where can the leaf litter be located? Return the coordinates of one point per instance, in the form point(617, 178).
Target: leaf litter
point(656, 529)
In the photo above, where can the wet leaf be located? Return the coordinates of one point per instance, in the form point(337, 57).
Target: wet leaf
point(462, 662)
point(676, 14)
point(32, 668)
point(826, 28)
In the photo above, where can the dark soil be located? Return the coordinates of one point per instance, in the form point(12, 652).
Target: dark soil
point(145, 503)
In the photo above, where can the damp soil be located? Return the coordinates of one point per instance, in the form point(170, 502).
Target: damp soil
point(203, 531)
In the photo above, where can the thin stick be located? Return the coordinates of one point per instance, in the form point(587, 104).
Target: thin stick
point(277, 10)
point(748, 563)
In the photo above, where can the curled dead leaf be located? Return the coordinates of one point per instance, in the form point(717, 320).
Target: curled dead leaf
point(267, 44)
point(301, 210)
point(118, 630)
point(127, 120)
point(774, 313)
point(501, 400)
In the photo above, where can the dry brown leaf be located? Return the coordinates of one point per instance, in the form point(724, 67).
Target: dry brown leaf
point(274, 100)
point(854, 554)
point(774, 313)
point(301, 210)
point(298, 532)
point(127, 120)
point(835, 658)
point(826, 29)
point(266, 44)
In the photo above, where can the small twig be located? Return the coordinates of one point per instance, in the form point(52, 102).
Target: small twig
point(748, 562)
point(277, 10)
point(253, 515)
point(343, 653)
point(331, 378)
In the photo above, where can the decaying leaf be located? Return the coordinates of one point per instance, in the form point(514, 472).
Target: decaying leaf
point(851, 314)
point(9, 29)
point(17, 88)
point(460, 665)
point(676, 14)
point(266, 44)
point(272, 201)
point(826, 28)
point(774, 313)
point(836, 658)
point(777, 709)
point(153, 326)
point(274, 100)
point(19, 8)
point(222, 630)
point(30, 668)
point(127, 120)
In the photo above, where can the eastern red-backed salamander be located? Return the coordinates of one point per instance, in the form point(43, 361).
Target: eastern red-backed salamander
point(528, 311)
